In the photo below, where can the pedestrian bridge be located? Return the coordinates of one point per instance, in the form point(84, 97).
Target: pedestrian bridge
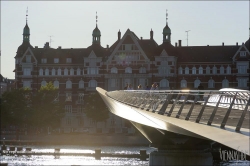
point(216, 116)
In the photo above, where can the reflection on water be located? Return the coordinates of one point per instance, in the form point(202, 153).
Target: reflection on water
point(77, 160)
point(81, 160)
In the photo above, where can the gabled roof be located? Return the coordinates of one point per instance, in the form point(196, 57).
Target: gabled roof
point(168, 47)
point(148, 47)
point(22, 48)
point(247, 44)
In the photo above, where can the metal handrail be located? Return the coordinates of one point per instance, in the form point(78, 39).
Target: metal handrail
point(150, 100)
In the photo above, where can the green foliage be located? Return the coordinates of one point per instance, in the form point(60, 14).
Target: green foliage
point(95, 107)
point(15, 107)
point(40, 109)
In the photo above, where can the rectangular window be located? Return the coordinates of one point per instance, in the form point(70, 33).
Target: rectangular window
point(68, 97)
point(68, 60)
point(27, 71)
point(243, 53)
point(68, 108)
point(80, 96)
point(44, 60)
point(242, 69)
point(242, 82)
point(56, 60)
point(28, 58)
point(93, 70)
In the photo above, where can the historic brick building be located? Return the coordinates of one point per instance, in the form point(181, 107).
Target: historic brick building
point(130, 59)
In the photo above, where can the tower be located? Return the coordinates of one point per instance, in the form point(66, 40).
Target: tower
point(166, 31)
point(96, 34)
point(26, 30)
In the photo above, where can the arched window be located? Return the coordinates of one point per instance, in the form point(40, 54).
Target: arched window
point(197, 83)
point(194, 70)
point(207, 70)
point(180, 70)
point(211, 83)
point(128, 70)
point(200, 70)
point(228, 69)
point(66, 72)
point(142, 70)
point(81, 84)
point(59, 72)
point(41, 72)
point(186, 70)
point(71, 71)
point(78, 72)
point(221, 70)
point(56, 84)
point(43, 83)
point(92, 83)
point(214, 70)
point(46, 72)
point(53, 72)
point(68, 84)
point(113, 70)
point(225, 83)
point(164, 83)
point(183, 83)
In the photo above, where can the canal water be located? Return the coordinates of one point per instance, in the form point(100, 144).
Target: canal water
point(81, 160)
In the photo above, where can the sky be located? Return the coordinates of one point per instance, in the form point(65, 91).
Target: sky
point(70, 24)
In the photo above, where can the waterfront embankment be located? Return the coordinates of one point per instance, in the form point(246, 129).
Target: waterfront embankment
point(78, 139)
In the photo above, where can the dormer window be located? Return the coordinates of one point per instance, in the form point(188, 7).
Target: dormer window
point(69, 60)
point(243, 53)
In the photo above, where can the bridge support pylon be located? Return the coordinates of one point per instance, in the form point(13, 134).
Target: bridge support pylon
point(180, 157)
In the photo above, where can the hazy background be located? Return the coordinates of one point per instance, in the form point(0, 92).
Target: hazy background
point(71, 23)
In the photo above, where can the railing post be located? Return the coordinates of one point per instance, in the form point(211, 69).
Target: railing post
point(242, 117)
point(203, 108)
point(165, 105)
point(228, 112)
point(180, 110)
point(172, 108)
point(214, 111)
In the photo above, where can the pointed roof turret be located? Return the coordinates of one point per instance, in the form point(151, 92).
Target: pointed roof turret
point(166, 31)
point(96, 34)
point(26, 29)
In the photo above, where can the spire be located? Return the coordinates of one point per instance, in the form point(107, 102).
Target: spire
point(96, 18)
point(27, 16)
point(166, 16)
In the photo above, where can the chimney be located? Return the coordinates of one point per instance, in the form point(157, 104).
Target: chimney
point(107, 46)
point(141, 38)
point(179, 43)
point(36, 46)
point(236, 43)
point(222, 43)
point(59, 47)
point(46, 45)
point(175, 44)
point(119, 35)
point(151, 34)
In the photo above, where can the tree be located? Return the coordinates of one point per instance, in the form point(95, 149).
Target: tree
point(15, 107)
point(22, 107)
point(47, 111)
point(95, 108)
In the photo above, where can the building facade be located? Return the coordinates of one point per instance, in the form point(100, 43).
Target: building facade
point(129, 60)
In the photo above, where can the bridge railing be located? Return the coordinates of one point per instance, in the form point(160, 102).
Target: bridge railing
point(182, 103)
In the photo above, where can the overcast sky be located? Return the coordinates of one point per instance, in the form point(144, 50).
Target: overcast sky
point(71, 23)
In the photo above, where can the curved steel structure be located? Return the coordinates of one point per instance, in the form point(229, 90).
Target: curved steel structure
point(222, 116)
